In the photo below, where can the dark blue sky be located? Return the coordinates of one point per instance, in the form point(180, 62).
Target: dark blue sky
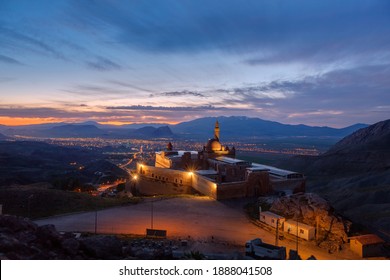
point(312, 62)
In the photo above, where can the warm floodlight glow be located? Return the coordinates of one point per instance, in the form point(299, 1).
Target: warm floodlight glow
point(135, 177)
point(190, 173)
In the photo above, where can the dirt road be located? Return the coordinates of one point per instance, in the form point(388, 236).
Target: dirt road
point(199, 218)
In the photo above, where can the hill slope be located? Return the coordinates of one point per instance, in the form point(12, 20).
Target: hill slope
point(354, 175)
point(27, 162)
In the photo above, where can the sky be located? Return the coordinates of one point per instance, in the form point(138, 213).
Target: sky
point(324, 63)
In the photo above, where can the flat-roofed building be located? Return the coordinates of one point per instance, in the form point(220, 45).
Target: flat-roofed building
point(369, 245)
point(303, 231)
point(271, 219)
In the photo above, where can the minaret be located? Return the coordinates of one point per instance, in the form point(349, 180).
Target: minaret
point(216, 130)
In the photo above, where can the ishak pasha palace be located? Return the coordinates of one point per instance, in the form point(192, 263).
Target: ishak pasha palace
point(216, 172)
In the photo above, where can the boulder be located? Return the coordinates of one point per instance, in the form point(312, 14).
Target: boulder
point(71, 246)
point(16, 224)
point(102, 247)
point(310, 208)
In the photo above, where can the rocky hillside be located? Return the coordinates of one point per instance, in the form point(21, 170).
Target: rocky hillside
point(373, 138)
point(354, 175)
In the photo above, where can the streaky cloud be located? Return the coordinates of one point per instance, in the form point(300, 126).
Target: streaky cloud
point(167, 108)
point(22, 40)
point(179, 93)
point(103, 64)
point(128, 85)
point(9, 60)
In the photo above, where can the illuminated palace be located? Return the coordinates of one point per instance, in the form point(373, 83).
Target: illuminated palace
point(215, 171)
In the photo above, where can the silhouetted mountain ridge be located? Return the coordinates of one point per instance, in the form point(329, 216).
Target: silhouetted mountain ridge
point(239, 127)
point(374, 137)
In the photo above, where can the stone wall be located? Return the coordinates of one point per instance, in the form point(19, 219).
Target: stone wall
point(165, 174)
point(258, 184)
point(162, 161)
point(147, 186)
point(248, 185)
point(231, 190)
point(204, 185)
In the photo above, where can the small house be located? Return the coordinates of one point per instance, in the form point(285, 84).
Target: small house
point(369, 245)
point(271, 219)
point(302, 230)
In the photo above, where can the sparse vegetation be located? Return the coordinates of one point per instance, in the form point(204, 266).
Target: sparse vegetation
point(40, 200)
point(195, 255)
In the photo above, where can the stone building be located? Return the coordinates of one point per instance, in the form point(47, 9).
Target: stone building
point(214, 171)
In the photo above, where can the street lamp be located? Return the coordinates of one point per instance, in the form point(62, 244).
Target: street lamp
point(29, 205)
point(277, 233)
point(96, 216)
point(297, 235)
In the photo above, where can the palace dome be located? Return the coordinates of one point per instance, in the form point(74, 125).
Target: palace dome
point(213, 145)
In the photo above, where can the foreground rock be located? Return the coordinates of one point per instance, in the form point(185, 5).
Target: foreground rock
point(21, 239)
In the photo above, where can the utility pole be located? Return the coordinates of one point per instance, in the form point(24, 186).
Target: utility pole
point(277, 232)
point(151, 216)
point(95, 221)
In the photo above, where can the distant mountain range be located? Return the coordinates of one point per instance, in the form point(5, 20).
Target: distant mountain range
point(354, 175)
point(88, 130)
point(244, 127)
point(232, 128)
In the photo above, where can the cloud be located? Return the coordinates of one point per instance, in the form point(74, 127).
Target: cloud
point(32, 112)
point(103, 64)
point(314, 113)
point(6, 79)
point(96, 90)
point(271, 32)
point(170, 109)
point(352, 95)
point(19, 40)
point(179, 93)
point(128, 85)
point(9, 60)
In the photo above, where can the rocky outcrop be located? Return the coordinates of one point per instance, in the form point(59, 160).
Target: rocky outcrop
point(102, 247)
point(21, 239)
point(310, 208)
